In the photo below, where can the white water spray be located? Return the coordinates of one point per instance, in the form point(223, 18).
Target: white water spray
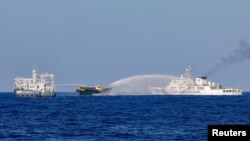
point(139, 84)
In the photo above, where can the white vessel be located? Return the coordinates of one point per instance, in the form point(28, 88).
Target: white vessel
point(39, 85)
point(187, 86)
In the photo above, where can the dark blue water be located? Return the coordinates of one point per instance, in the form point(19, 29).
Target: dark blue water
point(98, 118)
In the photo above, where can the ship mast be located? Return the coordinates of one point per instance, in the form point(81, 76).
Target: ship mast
point(187, 74)
point(34, 76)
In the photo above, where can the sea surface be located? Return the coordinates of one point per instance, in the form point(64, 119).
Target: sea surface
point(70, 117)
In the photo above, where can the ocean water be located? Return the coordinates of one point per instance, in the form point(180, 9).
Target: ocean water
point(71, 117)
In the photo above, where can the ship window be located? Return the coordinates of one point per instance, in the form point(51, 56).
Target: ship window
point(201, 88)
point(182, 88)
point(173, 88)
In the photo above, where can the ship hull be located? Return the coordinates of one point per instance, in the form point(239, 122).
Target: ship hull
point(163, 91)
point(31, 93)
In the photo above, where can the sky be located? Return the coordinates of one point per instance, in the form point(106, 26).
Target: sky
point(97, 42)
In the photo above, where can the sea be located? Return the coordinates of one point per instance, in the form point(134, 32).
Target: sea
point(71, 117)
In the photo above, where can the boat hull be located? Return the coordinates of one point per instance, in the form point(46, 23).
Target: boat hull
point(90, 90)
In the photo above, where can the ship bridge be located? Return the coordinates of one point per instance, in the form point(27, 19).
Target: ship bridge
point(201, 81)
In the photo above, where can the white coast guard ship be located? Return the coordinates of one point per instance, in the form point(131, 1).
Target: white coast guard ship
point(186, 86)
point(39, 85)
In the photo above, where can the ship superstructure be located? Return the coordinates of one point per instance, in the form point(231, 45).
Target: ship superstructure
point(42, 85)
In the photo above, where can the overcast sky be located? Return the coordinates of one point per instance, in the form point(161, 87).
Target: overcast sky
point(102, 41)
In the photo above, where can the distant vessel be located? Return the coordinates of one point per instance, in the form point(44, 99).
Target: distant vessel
point(90, 90)
point(186, 86)
point(37, 86)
